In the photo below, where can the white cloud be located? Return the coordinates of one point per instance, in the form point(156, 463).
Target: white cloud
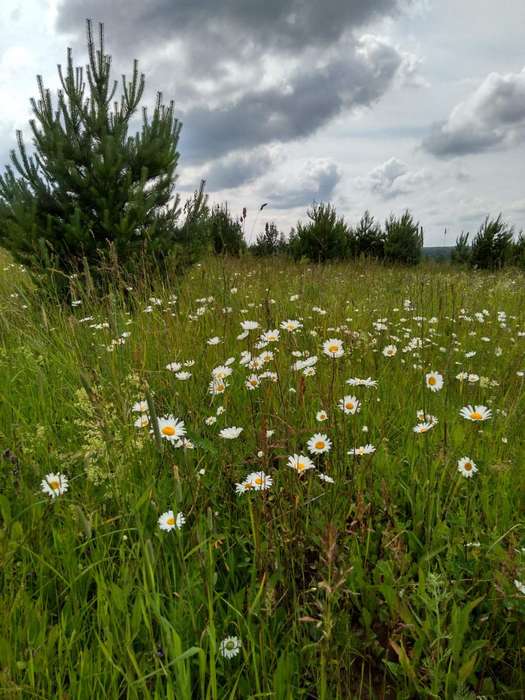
point(493, 116)
point(392, 178)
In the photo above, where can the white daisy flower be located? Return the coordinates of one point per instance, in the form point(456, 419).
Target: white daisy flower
point(466, 467)
point(325, 477)
point(364, 450)
point(183, 376)
point(291, 325)
point(321, 416)
point(168, 521)
point(249, 325)
point(520, 586)
point(170, 428)
point(390, 351)
point(476, 413)
point(214, 341)
point(300, 463)
point(319, 443)
point(55, 484)
point(230, 433)
point(230, 647)
point(142, 421)
point(174, 366)
point(434, 381)
point(350, 405)
point(140, 407)
point(333, 347)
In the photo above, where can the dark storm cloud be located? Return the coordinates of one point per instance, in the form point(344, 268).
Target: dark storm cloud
point(493, 116)
point(278, 24)
point(310, 99)
point(220, 61)
point(236, 170)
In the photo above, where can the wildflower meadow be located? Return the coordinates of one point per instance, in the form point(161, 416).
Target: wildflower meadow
point(264, 479)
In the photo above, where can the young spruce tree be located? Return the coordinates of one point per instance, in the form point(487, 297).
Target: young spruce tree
point(89, 188)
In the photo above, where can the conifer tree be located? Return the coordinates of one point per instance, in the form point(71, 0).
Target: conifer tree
point(89, 186)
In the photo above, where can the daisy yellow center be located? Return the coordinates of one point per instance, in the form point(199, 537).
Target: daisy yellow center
point(349, 405)
point(253, 382)
point(467, 466)
point(476, 415)
point(170, 520)
point(55, 484)
point(300, 466)
point(168, 430)
point(333, 348)
point(319, 445)
point(259, 480)
point(432, 381)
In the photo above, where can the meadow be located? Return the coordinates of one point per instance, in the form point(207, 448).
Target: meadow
point(264, 479)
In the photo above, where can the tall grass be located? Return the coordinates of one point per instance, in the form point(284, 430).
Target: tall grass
point(395, 581)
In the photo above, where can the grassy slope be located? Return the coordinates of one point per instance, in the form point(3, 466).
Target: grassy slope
point(366, 588)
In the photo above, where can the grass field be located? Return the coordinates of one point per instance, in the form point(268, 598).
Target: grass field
point(295, 569)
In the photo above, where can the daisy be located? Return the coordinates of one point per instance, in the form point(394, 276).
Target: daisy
point(140, 407)
point(300, 463)
point(230, 647)
point(355, 381)
point(168, 521)
point(434, 381)
point(221, 372)
point(389, 350)
point(183, 376)
point(170, 428)
point(174, 366)
point(425, 426)
point(325, 477)
point(260, 481)
point(249, 325)
point(55, 484)
point(291, 325)
point(360, 451)
point(252, 382)
point(230, 433)
point(321, 416)
point(319, 443)
point(243, 487)
point(350, 405)
point(270, 336)
point(333, 347)
point(217, 386)
point(520, 586)
point(466, 467)
point(213, 341)
point(476, 413)
point(142, 421)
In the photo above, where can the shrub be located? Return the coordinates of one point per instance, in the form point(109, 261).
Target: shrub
point(403, 239)
point(323, 237)
point(461, 253)
point(90, 189)
point(226, 234)
point(367, 238)
point(492, 246)
point(270, 242)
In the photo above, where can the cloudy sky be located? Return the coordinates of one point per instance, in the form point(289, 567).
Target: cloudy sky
point(378, 104)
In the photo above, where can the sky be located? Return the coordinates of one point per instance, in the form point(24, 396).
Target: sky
point(368, 104)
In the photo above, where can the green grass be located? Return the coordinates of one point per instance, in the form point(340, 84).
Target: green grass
point(396, 581)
